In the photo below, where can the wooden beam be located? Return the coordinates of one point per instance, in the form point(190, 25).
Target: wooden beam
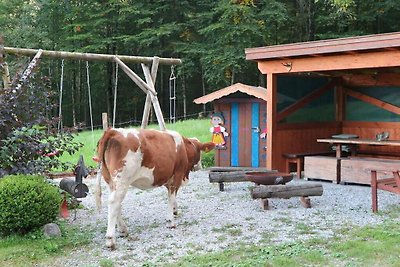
point(154, 98)
point(5, 73)
point(383, 59)
point(88, 56)
point(134, 77)
point(271, 119)
point(373, 101)
point(25, 75)
point(305, 100)
point(379, 79)
point(340, 103)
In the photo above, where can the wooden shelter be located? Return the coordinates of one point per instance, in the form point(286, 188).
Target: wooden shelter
point(347, 85)
point(244, 111)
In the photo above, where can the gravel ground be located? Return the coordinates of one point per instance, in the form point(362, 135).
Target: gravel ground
point(210, 220)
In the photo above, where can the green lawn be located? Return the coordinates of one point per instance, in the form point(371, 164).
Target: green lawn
point(188, 128)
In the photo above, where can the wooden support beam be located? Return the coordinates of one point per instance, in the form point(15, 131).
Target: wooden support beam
point(382, 59)
point(28, 70)
point(305, 100)
point(88, 56)
point(146, 111)
point(134, 77)
point(272, 92)
point(379, 79)
point(374, 101)
point(154, 98)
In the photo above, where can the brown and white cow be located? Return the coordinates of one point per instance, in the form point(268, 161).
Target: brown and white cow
point(144, 159)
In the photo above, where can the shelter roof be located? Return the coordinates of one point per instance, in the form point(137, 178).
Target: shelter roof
point(258, 92)
point(367, 43)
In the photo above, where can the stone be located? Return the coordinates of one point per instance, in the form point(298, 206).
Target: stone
point(51, 230)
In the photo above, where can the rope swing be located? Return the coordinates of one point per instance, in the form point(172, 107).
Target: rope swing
point(90, 103)
point(115, 94)
point(60, 124)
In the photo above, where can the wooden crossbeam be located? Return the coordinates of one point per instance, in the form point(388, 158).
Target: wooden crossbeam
point(87, 56)
point(373, 101)
point(305, 100)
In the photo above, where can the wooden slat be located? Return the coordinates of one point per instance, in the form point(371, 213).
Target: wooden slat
point(373, 101)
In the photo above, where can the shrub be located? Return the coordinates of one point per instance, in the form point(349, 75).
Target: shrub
point(26, 203)
point(207, 159)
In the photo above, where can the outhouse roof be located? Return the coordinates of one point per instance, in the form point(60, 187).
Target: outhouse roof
point(367, 43)
point(259, 92)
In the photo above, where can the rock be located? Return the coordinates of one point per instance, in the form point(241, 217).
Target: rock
point(51, 230)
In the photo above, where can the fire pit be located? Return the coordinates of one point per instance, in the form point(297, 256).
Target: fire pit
point(269, 178)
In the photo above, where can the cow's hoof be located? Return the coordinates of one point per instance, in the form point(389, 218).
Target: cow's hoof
point(123, 234)
point(110, 243)
point(172, 226)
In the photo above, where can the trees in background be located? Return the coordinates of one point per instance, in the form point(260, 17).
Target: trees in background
point(209, 36)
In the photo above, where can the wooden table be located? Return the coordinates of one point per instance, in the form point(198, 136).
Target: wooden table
point(355, 141)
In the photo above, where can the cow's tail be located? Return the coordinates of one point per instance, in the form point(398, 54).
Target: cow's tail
point(98, 190)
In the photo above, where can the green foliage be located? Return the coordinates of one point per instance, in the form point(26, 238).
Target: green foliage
point(29, 142)
point(26, 203)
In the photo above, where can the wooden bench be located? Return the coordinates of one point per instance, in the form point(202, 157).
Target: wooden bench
point(298, 159)
point(387, 184)
point(304, 191)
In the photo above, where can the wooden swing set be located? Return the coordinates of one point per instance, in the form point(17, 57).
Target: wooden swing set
point(149, 67)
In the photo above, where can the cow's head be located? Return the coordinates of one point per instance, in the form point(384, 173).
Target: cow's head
point(194, 148)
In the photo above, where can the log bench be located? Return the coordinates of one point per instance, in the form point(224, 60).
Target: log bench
point(304, 191)
point(223, 175)
point(298, 159)
point(388, 184)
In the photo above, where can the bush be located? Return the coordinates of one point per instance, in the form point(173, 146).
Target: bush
point(26, 203)
point(207, 159)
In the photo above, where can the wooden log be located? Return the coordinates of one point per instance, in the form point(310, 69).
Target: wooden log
point(230, 169)
point(287, 191)
point(88, 56)
point(237, 176)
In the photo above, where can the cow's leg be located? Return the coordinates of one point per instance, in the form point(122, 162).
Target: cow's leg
point(114, 214)
point(123, 229)
point(171, 208)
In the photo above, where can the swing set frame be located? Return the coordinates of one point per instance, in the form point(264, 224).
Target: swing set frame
point(149, 67)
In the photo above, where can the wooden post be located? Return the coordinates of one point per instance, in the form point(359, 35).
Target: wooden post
point(5, 73)
point(104, 119)
point(271, 118)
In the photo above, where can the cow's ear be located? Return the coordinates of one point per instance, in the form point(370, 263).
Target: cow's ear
point(207, 147)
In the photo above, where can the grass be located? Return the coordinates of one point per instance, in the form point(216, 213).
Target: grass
point(366, 246)
point(35, 249)
point(188, 128)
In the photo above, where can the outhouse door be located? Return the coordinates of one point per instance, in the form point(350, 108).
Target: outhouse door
point(244, 120)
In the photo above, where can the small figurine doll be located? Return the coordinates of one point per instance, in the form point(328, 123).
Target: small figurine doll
point(218, 131)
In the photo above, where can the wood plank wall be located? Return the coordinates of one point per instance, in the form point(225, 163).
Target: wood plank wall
point(301, 137)
point(368, 130)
